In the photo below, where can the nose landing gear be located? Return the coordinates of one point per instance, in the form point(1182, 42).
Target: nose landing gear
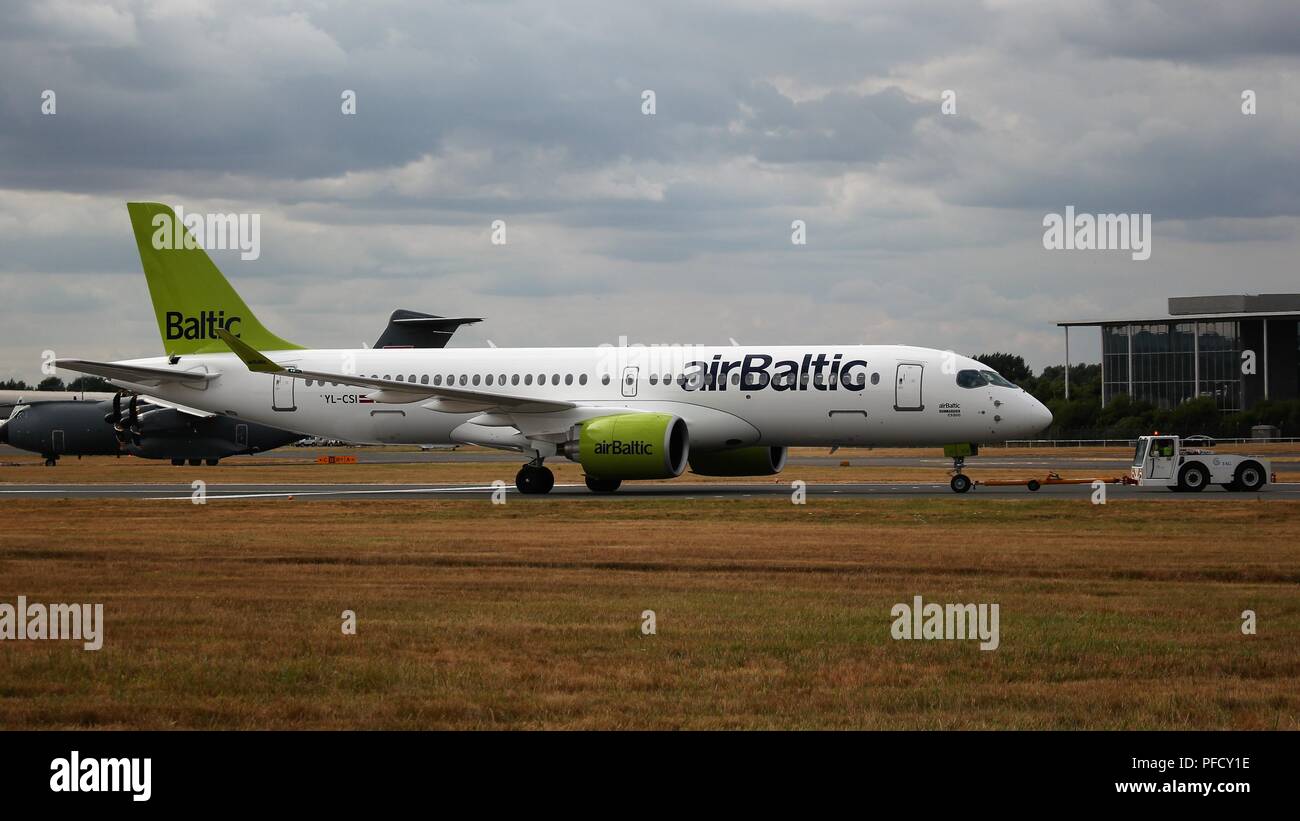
point(960, 482)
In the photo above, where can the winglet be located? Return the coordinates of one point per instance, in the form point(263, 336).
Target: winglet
point(250, 355)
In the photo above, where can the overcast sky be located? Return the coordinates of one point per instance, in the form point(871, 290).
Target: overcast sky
point(922, 227)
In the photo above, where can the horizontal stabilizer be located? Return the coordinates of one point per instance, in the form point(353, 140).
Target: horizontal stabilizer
point(412, 329)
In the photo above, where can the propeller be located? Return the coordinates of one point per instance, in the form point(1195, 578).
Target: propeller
point(115, 415)
point(133, 418)
point(128, 428)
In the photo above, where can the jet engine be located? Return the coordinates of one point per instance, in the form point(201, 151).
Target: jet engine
point(630, 446)
point(754, 461)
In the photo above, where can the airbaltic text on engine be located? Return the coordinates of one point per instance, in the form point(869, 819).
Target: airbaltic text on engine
point(817, 372)
point(620, 448)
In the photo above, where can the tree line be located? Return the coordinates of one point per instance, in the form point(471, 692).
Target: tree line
point(1083, 417)
point(53, 383)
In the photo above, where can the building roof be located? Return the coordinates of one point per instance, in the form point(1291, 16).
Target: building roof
point(1181, 318)
point(1212, 308)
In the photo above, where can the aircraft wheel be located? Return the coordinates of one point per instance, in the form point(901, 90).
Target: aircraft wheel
point(960, 483)
point(212, 463)
point(534, 479)
point(1034, 484)
point(603, 485)
point(195, 462)
point(1193, 479)
point(178, 462)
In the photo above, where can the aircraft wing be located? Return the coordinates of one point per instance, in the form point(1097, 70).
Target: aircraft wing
point(135, 374)
point(451, 400)
point(163, 403)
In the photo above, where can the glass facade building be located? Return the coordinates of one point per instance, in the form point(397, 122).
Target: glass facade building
point(1167, 363)
point(1237, 349)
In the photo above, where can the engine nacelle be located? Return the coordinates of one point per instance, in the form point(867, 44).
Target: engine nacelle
point(630, 446)
point(755, 461)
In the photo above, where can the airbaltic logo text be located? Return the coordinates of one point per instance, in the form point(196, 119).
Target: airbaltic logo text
point(1098, 232)
point(203, 326)
point(618, 447)
point(751, 373)
point(35, 621)
point(213, 232)
point(130, 775)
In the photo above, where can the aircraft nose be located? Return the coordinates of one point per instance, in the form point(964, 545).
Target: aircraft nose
point(1039, 416)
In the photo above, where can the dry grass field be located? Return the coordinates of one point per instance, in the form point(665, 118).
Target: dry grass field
point(770, 615)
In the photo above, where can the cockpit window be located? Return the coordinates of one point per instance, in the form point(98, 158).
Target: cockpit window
point(993, 377)
point(971, 379)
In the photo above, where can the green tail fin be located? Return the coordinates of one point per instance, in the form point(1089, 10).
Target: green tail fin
point(190, 296)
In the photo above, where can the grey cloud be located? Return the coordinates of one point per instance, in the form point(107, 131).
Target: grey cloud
point(922, 227)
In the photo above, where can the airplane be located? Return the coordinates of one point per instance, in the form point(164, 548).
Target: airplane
point(65, 423)
point(151, 429)
point(621, 412)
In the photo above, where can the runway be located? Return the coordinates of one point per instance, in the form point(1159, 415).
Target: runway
point(631, 491)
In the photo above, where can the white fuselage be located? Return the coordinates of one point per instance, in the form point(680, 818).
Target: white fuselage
point(859, 395)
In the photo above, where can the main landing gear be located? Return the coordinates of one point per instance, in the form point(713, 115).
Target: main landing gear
point(534, 478)
point(602, 485)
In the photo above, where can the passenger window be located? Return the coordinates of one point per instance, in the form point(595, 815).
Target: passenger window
point(400, 378)
point(437, 379)
point(424, 379)
point(735, 378)
point(514, 379)
point(654, 379)
point(875, 379)
point(604, 380)
point(476, 378)
point(489, 379)
point(555, 379)
point(463, 379)
point(582, 379)
point(528, 379)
